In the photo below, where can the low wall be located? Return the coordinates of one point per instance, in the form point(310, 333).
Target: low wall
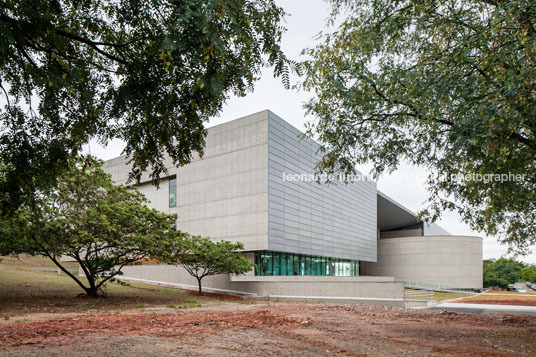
point(453, 261)
point(364, 289)
point(321, 286)
point(171, 274)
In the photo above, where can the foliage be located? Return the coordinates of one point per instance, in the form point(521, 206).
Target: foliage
point(11, 240)
point(448, 85)
point(503, 271)
point(101, 226)
point(529, 274)
point(147, 72)
point(201, 257)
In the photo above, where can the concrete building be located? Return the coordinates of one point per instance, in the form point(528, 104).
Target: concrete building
point(254, 185)
point(423, 255)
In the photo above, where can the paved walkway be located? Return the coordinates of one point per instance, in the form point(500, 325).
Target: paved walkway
point(485, 308)
point(514, 294)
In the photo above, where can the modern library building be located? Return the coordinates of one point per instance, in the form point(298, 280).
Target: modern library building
point(255, 184)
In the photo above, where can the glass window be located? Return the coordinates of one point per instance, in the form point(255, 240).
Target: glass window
point(290, 264)
point(308, 265)
point(277, 263)
point(269, 263)
point(173, 192)
point(331, 267)
point(257, 264)
point(317, 266)
point(263, 265)
point(284, 264)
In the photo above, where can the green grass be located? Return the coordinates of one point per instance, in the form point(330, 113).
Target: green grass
point(26, 290)
point(439, 296)
point(188, 306)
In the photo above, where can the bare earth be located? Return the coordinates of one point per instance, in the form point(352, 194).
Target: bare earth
point(42, 316)
point(502, 298)
point(274, 329)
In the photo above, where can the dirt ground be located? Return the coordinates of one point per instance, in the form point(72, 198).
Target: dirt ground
point(42, 316)
point(501, 298)
point(274, 329)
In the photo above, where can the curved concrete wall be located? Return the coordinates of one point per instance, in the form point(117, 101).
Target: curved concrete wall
point(455, 261)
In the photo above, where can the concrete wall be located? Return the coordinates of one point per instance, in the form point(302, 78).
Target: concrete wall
point(335, 220)
point(313, 286)
point(455, 261)
point(236, 192)
point(224, 195)
point(174, 275)
point(325, 288)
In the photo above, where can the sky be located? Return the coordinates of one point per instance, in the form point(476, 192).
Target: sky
point(305, 20)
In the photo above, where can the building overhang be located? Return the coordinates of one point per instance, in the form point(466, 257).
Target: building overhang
point(393, 216)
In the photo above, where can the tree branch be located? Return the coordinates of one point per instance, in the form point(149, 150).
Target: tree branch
point(65, 270)
point(92, 44)
point(522, 139)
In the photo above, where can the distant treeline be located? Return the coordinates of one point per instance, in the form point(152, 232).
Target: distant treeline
point(502, 272)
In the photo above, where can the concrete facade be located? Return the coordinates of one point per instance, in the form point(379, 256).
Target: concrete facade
point(239, 191)
point(335, 220)
point(224, 195)
point(452, 261)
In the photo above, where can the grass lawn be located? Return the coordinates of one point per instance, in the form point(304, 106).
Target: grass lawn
point(439, 296)
point(24, 290)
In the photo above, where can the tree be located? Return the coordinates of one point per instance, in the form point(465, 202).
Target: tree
point(146, 72)
point(202, 257)
point(529, 274)
point(103, 227)
point(502, 272)
point(448, 85)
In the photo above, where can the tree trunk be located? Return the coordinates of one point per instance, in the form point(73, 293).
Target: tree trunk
point(93, 289)
point(92, 292)
point(200, 292)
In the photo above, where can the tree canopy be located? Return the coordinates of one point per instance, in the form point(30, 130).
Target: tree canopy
point(202, 257)
point(147, 72)
point(502, 272)
point(446, 85)
point(87, 218)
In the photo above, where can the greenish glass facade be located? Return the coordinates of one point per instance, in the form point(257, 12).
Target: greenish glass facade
point(268, 263)
point(172, 192)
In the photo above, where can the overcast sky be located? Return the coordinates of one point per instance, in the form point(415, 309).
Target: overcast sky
point(305, 20)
